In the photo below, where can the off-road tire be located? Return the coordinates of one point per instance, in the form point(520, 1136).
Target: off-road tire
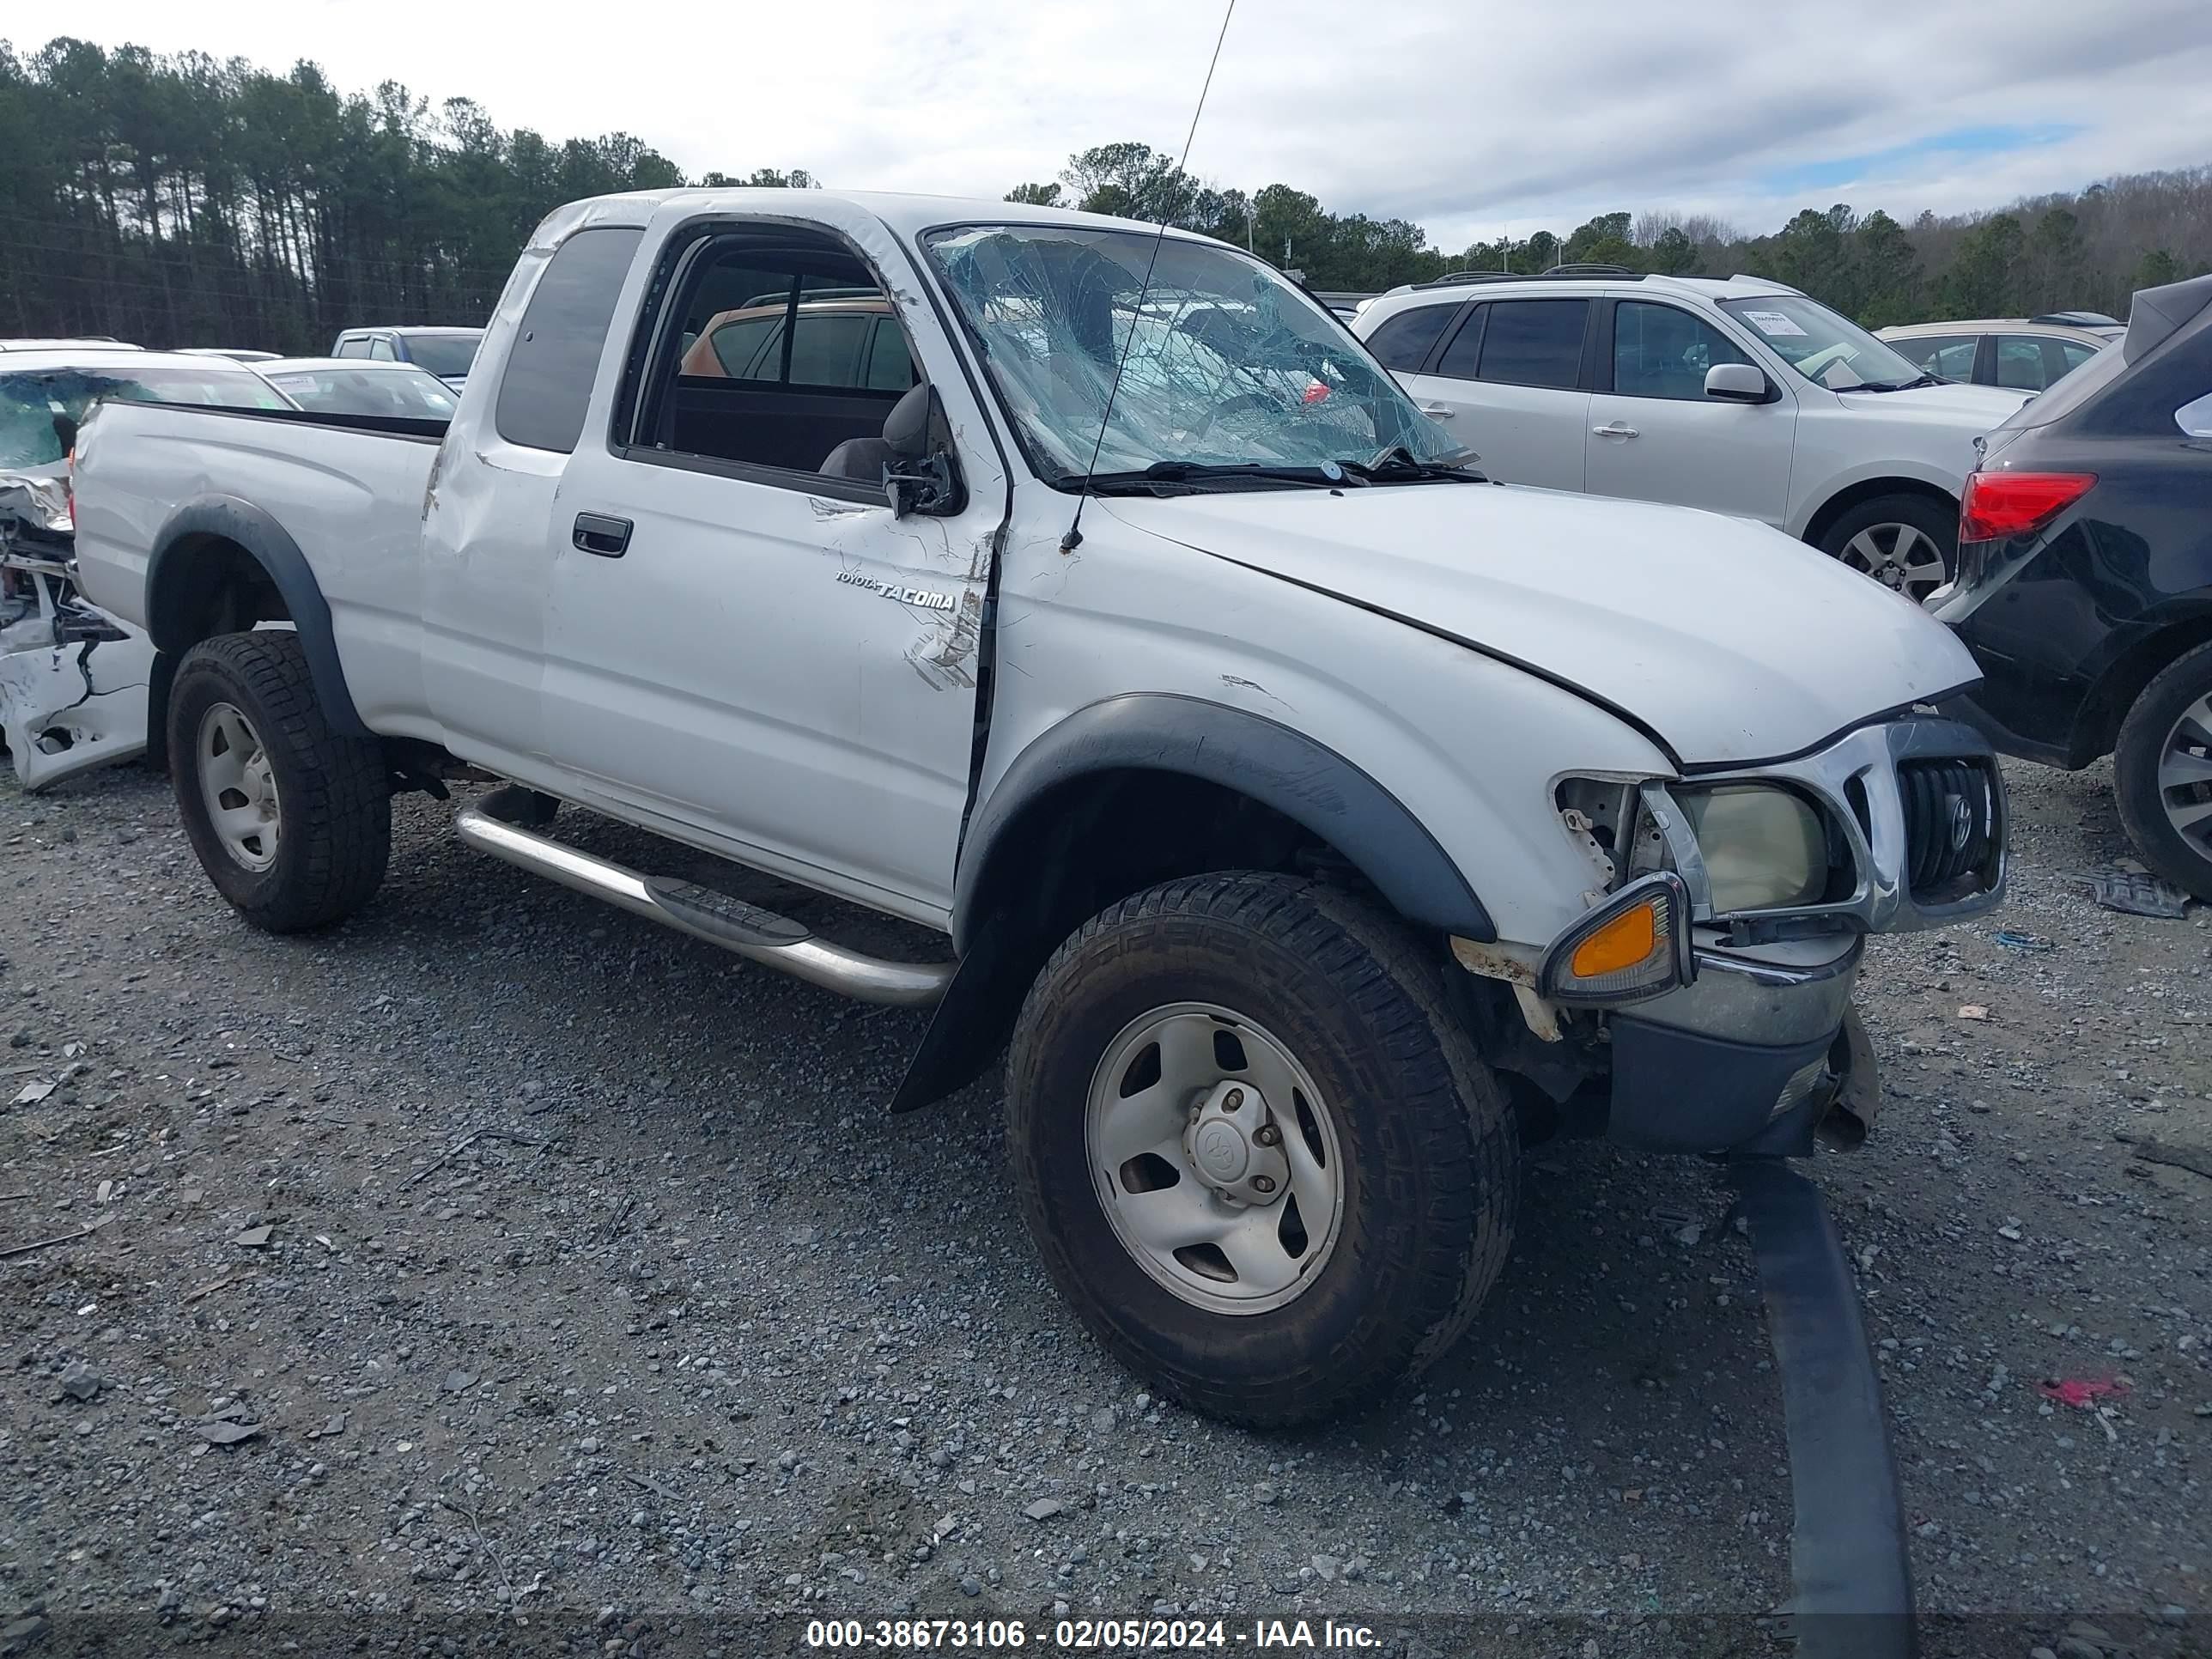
point(2135, 759)
point(1430, 1156)
point(334, 793)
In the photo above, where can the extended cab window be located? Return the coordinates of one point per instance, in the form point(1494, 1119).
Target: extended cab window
point(1403, 341)
point(1533, 342)
point(555, 355)
point(784, 350)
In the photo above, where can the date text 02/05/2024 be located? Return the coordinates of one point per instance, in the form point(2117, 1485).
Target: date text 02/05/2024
point(1082, 1635)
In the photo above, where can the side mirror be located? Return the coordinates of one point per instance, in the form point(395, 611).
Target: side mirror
point(923, 486)
point(922, 475)
point(1737, 383)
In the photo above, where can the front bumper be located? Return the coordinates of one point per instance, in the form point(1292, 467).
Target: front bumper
point(1748, 1058)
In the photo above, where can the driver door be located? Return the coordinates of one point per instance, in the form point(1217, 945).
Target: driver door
point(750, 650)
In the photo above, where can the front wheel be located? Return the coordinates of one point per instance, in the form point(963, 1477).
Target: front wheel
point(1909, 544)
point(1260, 1159)
point(2162, 772)
point(292, 822)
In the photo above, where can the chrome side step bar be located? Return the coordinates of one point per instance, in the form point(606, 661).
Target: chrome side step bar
point(745, 929)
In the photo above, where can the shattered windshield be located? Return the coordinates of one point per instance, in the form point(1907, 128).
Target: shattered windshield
point(1228, 365)
point(31, 400)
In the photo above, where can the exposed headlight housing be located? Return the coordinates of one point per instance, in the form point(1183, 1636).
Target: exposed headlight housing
point(1763, 849)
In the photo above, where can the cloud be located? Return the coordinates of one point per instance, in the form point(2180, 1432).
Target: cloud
point(1467, 119)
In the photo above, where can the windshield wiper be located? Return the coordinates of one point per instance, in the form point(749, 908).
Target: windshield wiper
point(1324, 475)
point(1894, 386)
point(1396, 461)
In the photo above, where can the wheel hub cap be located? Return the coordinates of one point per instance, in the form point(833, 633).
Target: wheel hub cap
point(1902, 557)
point(2184, 775)
point(1236, 1147)
point(238, 788)
point(1215, 1158)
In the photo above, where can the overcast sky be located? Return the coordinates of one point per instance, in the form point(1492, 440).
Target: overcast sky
point(1469, 118)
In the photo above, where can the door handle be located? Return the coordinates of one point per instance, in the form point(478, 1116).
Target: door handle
point(1614, 430)
point(1438, 411)
point(603, 534)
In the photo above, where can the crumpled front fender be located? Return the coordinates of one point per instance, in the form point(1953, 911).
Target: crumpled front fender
point(69, 709)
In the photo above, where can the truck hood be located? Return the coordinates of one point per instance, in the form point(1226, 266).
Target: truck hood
point(1728, 640)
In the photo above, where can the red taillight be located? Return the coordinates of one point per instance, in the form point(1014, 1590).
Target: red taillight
point(2001, 504)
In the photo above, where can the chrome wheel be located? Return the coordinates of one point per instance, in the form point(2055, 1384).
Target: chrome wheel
point(2184, 776)
point(238, 786)
point(1902, 556)
point(1215, 1158)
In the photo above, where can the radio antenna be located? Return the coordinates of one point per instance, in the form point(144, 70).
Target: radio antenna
point(1073, 539)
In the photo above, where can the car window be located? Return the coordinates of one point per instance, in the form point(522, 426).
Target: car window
point(1459, 357)
point(742, 346)
point(890, 365)
point(1403, 341)
point(355, 347)
point(2074, 353)
point(1948, 356)
point(446, 355)
point(401, 391)
point(555, 355)
point(1533, 342)
point(31, 400)
point(2019, 363)
point(1114, 343)
point(1828, 349)
point(825, 347)
point(382, 351)
point(1662, 351)
point(2196, 418)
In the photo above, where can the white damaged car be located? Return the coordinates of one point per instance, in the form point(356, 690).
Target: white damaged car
point(73, 680)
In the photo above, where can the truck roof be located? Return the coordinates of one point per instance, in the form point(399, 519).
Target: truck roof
point(906, 215)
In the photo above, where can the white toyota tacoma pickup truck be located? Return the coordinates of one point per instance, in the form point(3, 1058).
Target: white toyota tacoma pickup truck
point(1320, 820)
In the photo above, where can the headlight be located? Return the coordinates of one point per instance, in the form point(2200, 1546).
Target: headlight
point(1763, 849)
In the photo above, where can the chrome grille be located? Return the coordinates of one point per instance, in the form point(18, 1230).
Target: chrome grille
point(1950, 827)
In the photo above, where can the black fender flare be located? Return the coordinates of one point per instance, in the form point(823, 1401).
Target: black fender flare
point(1258, 758)
point(270, 545)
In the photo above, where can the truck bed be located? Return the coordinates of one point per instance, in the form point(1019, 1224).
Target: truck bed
point(348, 490)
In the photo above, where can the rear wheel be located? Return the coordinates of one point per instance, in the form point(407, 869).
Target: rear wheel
point(2162, 767)
point(1261, 1161)
point(292, 822)
point(1909, 544)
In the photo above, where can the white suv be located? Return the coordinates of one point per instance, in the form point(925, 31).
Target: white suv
point(1743, 396)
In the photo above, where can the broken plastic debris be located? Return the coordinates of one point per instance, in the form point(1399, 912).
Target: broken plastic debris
point(253, 1237)
point(224, 1432)
point(1973, 1010)
point(2134, 893)
point(2083, 1392)
point(2027, 942)
point(32, 1093)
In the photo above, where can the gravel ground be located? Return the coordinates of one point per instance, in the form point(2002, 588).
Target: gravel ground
point(532, 1260)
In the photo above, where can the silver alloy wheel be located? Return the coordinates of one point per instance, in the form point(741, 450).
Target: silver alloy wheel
point(1215, 1158)
point(238, 786)
point(2184, 776)
point(1902, 556)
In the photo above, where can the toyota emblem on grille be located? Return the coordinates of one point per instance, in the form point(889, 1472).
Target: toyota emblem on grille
point(1962, 824)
